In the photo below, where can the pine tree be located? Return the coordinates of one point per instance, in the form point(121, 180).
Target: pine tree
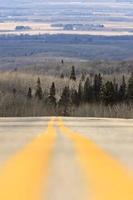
point(130, 88)
point(51, 97)
point(52, 90)
point(73, 74)
point(74, 97)
point(80, 93)
point(62, 75)
point(116, 91)
point(65, 101)
point(38, 82)
point(29, 94)
point(88, 91)
point(122, 90)
point(97, 86)
point(108, 93)
point(83, 76)
point(39, 93)
point(14, 91)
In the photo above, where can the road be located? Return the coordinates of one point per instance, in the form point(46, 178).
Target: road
point(66, 158)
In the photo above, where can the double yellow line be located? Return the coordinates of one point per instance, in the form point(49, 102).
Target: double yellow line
point(22, 177)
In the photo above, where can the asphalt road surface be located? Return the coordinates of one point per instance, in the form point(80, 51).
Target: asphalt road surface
point(66, 159)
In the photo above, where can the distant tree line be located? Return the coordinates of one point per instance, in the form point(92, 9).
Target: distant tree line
point(89, 90)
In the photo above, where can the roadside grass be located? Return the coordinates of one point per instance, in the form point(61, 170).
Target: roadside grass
point(95, 110)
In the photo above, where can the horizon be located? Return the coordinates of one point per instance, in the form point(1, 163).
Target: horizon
point(94, 17)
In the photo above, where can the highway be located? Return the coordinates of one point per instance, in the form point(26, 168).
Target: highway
point(66, 158)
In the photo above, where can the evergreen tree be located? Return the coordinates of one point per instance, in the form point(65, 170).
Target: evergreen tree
point(14, 91)
point(83, 76)
point(80, 93)
point(116, 91)
point(88, 91)
point(38, 82)
point(97, 86)
point(130, 88)
point(74, 97)
point(51, 97)
point(65, 101)
point(73, 74)
point(122, 90)
point(62, 75)
point(39, 93)
point(108, 93)
point(52, 90)
point(29, 94)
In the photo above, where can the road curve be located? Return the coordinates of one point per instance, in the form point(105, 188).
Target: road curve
point(72, 158)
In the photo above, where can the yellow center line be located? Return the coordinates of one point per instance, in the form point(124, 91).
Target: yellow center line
point(106, 177)
point(23, 175)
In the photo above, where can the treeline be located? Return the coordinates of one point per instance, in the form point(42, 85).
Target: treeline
point(89, 90)
point(67, 38)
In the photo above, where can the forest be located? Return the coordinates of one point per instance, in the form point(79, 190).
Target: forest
point(89, 95)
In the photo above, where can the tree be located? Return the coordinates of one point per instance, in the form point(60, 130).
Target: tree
point(97, 85)
point(51, 97)
point(88, 91)
point(80, 93)
point(73, 74)
point(122, 90)
point(108, 93)
point(62, 75)
point(74, 97)
point(39, 93)
point(83, 76)
point(130, 88)
point(29, 94)
point(116, 91)
point(65, 101)
point(14, 91)
point(52, 89)
point(38, 82)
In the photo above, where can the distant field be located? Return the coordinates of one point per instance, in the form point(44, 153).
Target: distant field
point(110, 29)
point(74, 46)
point(46, 65)
point(115, 16)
